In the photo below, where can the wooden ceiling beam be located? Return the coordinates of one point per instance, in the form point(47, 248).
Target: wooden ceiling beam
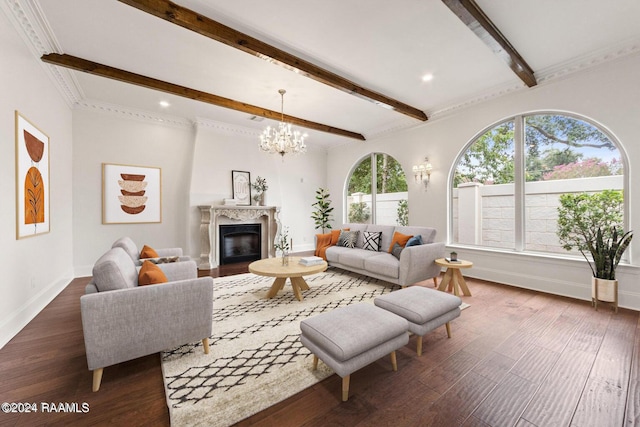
point(101, 70)
point(207, 27)
point(478, 22)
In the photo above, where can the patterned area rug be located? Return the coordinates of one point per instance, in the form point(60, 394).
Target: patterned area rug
point(256, 358)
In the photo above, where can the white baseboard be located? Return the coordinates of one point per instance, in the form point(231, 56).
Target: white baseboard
point(20, 317)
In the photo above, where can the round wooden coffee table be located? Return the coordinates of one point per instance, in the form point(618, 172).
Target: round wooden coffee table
point(452, 277)
point(272, 267)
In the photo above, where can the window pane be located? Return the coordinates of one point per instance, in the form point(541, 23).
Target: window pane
point(563, 155)
point(391, 186)
point(359, 193)
point(483, 197)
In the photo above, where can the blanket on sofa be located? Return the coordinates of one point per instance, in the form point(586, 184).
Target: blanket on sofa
point(325, 241)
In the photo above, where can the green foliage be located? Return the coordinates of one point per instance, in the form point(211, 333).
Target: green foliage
point(390, 177)
point(359, 212)
point(589, 223)
point(403, 212)
point(491, 157)
point(282, 242)
point(322, 216)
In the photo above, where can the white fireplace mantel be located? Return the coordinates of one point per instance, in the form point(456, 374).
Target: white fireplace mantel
point(211, 216)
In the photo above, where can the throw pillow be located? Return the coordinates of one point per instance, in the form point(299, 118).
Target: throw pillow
point(372, 240)
point(148, 252)
point(348, 239)
point(400, 239)
point(151, 274)
point(414, 241)
point(335, 235)
point(396, 250)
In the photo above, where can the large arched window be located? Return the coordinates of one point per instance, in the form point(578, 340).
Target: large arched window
point(508, 181)
point(376, 192)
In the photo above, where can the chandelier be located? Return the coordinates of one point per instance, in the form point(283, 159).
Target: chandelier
point(282, 140)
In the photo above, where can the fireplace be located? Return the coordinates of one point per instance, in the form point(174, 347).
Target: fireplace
point(240, 243)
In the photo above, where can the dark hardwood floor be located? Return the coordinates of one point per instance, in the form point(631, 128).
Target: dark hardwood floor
point(516, 357)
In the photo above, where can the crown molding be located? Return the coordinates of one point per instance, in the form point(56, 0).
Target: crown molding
point(34, 29)
point(132, 113)
point(226, 128)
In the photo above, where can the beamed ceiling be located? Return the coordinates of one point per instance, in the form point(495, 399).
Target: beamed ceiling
point(352, 70)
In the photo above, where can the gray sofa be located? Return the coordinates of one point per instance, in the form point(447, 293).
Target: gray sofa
point(122, 321)
point(131, 248)
point(416, 263)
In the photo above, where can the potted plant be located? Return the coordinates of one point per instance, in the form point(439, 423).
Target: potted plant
point(260, 186)
point(322, 215)
point(283, 244)
point(590, 223)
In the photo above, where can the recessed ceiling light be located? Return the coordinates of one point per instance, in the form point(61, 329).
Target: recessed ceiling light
point(164, 104)
point(427, 77)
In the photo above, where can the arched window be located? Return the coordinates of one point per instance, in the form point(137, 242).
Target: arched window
point(376, 192)
point(507, 182)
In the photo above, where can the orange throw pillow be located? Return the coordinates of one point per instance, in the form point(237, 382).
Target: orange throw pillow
point(400, 239)
point(148, 252)
point(151, 274)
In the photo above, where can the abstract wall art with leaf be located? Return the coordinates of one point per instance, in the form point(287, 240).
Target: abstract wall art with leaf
point(32, 179)
point(131, 194)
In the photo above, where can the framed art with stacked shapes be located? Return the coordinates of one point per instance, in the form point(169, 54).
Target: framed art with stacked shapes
point(131, 194)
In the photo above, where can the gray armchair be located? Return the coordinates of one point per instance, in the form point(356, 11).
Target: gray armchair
point(132, 249)
point(122, 321)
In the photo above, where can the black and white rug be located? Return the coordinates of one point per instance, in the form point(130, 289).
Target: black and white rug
point(256, 358)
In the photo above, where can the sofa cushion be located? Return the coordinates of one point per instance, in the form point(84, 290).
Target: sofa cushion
point(333, 253)
point(114, 270)
point(371, 240)
point(356, 227)
point(387, 233)
point(151, 274)
point(148, 252)
point(400, 239)
point(384, 264)
point(348, 239)
point(356, 257)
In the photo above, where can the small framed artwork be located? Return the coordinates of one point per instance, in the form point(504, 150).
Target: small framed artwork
point(241, 187)
point(32, 179)
point(131, 194)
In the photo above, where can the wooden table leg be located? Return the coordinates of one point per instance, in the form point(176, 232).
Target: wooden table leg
point(276, 286)
point(446, 279)
point(298, 284)
point(462, 283)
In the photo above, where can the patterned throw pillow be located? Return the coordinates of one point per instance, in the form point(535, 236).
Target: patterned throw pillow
point(348, 239)
point(372, 240)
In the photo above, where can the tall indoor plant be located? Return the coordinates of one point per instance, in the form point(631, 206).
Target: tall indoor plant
point(322, 215)
point(592, 223)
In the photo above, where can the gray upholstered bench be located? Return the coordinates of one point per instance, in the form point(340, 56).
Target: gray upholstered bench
point(424, 308)
point(350, 338)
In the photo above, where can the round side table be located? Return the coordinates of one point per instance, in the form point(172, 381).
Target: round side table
point(453, 277)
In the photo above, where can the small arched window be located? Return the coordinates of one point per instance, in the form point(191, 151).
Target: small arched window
point(507, 182)
point(376, 192)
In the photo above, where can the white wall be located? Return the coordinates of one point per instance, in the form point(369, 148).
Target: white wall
point(109, 138)
point(292, 181)
point(607, 94)
point(35, 269)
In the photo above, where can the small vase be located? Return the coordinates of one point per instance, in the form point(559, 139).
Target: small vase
point(261, 199)
point(285, 258)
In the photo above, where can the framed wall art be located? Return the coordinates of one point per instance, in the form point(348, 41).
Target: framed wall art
point(32, 179)
point(241, 187)
point(131, 194)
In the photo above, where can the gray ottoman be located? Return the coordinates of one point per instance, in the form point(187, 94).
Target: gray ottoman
point(424, 308)
point(350, 338)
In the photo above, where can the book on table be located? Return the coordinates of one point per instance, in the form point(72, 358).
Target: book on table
point(311, 260)
point(452, 261)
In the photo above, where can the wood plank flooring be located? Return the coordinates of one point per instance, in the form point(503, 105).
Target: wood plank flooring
point(516, 358)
